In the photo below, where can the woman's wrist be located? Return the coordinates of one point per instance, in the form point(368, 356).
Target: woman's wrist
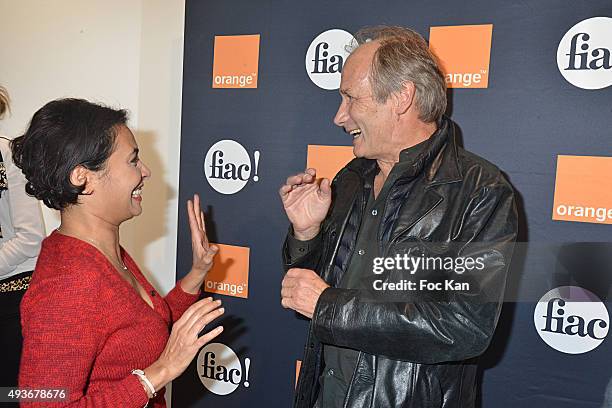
point(145, 383)
point(159, 375)
point(193, 281)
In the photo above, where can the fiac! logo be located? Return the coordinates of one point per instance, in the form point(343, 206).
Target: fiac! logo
point(571, 319)
point(227, 166)
point(584, 54)
point(326, 56)
point(220, 370)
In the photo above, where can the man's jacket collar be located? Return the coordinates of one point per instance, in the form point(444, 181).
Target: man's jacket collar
point(442, 168)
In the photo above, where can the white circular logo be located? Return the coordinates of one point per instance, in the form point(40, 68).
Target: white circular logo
point(584, 54)
point(227, 166)
point(326, 56)
point(219, 369)
point(571, 320)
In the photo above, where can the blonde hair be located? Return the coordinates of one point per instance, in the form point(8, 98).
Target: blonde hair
point(4, 101)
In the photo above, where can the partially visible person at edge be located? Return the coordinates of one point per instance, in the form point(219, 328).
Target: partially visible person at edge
point(411, 191)
point(92, 323)
point(21, 232)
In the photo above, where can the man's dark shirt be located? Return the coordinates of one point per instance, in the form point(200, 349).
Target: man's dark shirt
point(340, 362)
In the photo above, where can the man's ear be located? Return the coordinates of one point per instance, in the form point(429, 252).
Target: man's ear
point(405, 98)
point(80, 176)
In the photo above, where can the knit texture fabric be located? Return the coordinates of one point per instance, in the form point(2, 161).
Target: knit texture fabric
point(85, 328)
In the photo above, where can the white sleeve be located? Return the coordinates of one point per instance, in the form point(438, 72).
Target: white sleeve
point(24, 215)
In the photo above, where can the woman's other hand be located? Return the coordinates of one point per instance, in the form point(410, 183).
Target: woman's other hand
point(202, 251)
point(184, 342)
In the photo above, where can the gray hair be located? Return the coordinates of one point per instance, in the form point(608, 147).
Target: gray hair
point(404, 56)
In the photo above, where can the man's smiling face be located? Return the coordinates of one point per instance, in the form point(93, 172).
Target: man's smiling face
point(369, 122)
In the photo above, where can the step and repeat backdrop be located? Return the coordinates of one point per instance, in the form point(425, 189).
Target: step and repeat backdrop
point(530, 87)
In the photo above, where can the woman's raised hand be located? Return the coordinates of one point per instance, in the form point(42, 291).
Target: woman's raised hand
point(202, 251)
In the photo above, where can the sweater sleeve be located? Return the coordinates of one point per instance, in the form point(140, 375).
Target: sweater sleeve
point(178, 300)
point(63, 332)
point(24, 216)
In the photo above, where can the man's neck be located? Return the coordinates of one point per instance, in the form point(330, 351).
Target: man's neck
point(407, 136)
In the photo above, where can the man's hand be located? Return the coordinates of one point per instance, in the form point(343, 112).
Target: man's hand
point(301, 289)
point(306, 203)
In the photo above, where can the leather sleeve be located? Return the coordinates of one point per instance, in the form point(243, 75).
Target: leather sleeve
point(432, 331)
point(301, 254)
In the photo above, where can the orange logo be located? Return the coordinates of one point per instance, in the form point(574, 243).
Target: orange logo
point(298, 365)
point(236, 61)
point(464, 53)
point(230, 272)
point(328, 160)
point(583, 189)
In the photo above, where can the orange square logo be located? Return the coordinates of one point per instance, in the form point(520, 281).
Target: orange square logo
point(230, 272)
point(236, 61)
point(328, 160)
point(583, 189)
point(464, 53)
point(298, 365)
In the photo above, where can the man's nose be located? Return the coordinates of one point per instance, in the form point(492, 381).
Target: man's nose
point(342, 114)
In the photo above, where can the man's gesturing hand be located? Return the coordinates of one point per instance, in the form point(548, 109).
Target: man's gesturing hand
point(301, 289)
point(306, 203)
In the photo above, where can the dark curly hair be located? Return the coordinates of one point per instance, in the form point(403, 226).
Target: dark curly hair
point(62, 135)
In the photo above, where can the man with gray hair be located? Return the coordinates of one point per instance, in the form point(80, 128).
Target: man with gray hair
point(384, 334)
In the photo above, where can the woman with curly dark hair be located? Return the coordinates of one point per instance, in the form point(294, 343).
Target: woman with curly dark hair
point(92, 323)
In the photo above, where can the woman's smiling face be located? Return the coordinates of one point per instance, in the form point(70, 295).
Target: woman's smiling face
point(116, 189)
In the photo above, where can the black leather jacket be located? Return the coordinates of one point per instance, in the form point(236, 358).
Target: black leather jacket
point(420, 351)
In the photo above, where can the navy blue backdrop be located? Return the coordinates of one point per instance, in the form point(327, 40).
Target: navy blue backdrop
point(528, 115)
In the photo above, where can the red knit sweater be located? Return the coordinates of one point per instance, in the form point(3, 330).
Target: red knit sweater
point(85, 328)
